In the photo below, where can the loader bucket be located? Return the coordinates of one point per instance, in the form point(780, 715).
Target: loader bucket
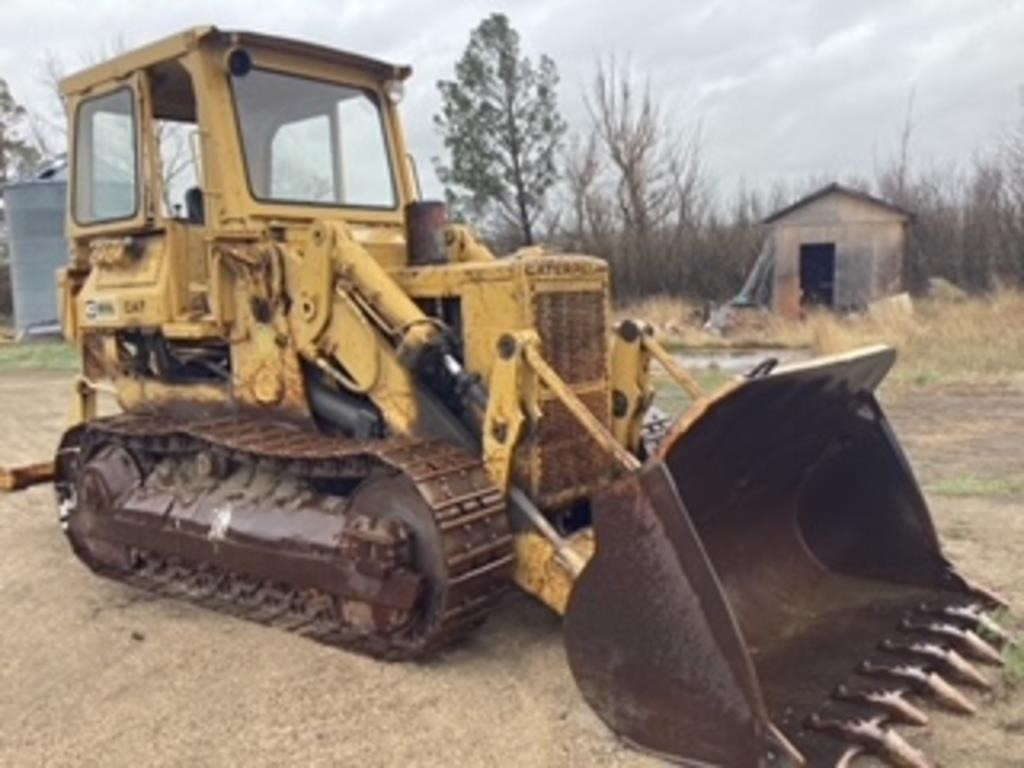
point(769, 588)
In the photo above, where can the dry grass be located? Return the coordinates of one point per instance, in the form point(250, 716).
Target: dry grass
point(668, 314)
point(971, 342)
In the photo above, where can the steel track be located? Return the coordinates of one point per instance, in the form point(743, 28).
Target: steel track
point(476, 547)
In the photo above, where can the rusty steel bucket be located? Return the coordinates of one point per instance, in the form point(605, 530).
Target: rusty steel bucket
point(770, 590)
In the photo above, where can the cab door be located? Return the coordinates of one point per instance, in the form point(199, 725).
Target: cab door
point(109, 193)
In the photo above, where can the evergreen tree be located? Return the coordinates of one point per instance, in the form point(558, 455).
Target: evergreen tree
point(502, 130)
point(17, 154)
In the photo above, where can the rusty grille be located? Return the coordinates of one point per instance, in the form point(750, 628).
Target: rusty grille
point(572, 328)
point(569, 460)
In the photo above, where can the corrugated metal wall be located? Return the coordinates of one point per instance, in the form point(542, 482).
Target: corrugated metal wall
point(35, 222)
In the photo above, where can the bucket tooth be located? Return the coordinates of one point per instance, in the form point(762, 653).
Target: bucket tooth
point(967, 640)
point(960, 668)
point(966, 671)
point(873, 737)
point(923, 681)
point(985, 625)
point(893, 702)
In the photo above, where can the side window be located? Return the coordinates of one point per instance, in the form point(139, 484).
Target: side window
point(106, 164)
point(301, 161)
point(177, 142)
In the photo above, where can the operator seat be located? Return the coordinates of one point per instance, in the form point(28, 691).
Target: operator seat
point(194, 210)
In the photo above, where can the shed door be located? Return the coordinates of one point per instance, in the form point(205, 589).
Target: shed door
point(818, 274)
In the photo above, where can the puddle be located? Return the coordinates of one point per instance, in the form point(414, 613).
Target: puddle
point(736, 361)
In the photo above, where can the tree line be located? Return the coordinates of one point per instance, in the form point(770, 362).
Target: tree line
point(629, 187)
point(632, 188)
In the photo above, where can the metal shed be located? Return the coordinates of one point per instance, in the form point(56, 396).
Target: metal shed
point(35, 210)
point(835, 248)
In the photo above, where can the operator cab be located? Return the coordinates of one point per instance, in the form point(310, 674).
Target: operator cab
point(216, 129)
point(188, 146)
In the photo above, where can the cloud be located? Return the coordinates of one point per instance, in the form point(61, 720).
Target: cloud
point(781, 90)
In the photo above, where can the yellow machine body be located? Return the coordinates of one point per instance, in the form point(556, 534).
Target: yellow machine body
point(345, 271)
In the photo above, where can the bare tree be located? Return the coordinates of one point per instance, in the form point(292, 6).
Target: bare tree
point(49, 121)
point(590, 221)
point(634, 184)
point(657, 168)
point(903, 165)
point(1012, 159)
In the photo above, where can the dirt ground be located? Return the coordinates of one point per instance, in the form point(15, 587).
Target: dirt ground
point(93, 673)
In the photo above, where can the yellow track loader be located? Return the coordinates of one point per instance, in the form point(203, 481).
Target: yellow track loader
point(342, 415)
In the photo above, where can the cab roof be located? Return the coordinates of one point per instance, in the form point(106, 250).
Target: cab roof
point(176, 46)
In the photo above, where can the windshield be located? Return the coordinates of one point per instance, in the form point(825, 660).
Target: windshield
point(310, 141)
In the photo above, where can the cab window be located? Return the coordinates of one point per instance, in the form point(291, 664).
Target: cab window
point(106, 162)
point(313, 142)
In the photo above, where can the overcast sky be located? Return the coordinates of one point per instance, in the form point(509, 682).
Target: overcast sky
point(782, 90)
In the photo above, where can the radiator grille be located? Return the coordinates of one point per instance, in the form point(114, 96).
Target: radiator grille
point(573, 332)
point(571, 326)
point(570, 460)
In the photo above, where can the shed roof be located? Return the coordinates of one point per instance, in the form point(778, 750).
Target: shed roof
point(838, 189)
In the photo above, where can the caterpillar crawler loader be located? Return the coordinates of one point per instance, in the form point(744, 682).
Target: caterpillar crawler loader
point(342, 415)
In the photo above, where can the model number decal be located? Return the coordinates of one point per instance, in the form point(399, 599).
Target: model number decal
point(100, 310)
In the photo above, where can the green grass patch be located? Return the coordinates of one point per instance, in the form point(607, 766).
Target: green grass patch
point(673, 400)
point(1013, 655)
point(38, 357)
point(968, 484)
point(711, 380)
point(1004, 619)
point(1015, 666)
